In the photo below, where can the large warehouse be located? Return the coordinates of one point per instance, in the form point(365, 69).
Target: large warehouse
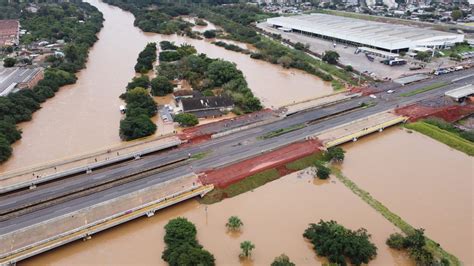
point(388, 37)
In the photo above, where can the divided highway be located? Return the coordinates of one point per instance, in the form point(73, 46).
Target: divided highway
point(16, 208)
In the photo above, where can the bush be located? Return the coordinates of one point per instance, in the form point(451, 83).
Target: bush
point(322, 172)
point(396, 241)
point(169, 56)
point(337, 243)
point(335, 153)
point(331, 57)
point(209, 34)
point(166, 45)
point(143, 82)
point(186, 120)
point(9, 62)
point(282, 260)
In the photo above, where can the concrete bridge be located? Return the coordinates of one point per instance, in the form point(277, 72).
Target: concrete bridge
point(66, 213)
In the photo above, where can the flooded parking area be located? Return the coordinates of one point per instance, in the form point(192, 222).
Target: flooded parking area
point(426, 182)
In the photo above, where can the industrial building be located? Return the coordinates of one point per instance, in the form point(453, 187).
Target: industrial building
point(16, 78)
point(363, 33)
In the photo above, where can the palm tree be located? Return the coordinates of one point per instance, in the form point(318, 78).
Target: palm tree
point(247, 248)
point(234, 223)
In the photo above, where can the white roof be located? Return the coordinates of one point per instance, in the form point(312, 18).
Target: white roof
point(370, 33)
point(461, 92)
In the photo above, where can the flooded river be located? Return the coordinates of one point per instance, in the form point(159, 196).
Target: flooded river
point(425, 182)
point(274, 216)
point(84, 117)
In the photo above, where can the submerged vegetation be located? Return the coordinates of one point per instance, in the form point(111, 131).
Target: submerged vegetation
point(146, 58)
point(207, 75)
point(238, 24)
point(52, 22)
point(182, 247)
point(338, 243)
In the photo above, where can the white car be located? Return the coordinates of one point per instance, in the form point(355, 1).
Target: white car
point(373, 96)
point(390, 91)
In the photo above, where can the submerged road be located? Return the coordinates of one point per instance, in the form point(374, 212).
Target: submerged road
point(220, 152)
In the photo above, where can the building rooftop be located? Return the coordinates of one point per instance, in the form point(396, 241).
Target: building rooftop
point(206, 103)
point(9, 30)
point(371, 33)
point(10, 77)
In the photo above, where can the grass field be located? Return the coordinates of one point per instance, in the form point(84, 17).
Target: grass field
point(240, 187)
point(427, 88)
point(451, 139)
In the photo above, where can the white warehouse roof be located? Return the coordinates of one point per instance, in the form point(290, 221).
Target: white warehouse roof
point(368, 33)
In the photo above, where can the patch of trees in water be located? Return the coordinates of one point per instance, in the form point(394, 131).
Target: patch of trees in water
point(207, 75)
point(238, 23)
point(51, 22)
point(146, 58)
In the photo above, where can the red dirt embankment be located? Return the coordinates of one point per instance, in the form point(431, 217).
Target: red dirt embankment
point(227, 175)
point(364, 90)
point(448, 113)
point(205, 131)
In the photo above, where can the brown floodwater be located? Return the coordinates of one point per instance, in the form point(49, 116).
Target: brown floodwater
point(426, 182)
point(85, 117)
point(274, 216)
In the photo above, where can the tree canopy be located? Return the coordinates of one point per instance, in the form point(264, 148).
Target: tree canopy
point(182, 247)
point(338, 243)
point(186, 119)
point(331, 57)
point(146, 58)
point(282, 260)
point(161, 85)
point(246, 248)
point(234, 223)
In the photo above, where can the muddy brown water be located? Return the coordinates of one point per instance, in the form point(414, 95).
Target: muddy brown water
point(274, 216)
point(85, 117)
point(426, 182)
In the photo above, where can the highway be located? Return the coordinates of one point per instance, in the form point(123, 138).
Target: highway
point(219, 152)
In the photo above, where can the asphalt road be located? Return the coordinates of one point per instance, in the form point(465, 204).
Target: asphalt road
point(221, 151)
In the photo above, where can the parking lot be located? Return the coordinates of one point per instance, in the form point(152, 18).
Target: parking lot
point(359, 61)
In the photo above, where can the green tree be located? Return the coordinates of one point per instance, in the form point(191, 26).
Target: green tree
point(234, 223)
point(142, 81)
point(182, 248)
point(161, 85)
point(134, 127)
point(396, 241)
point(200, 22)
point(456, 14)
point(337, 243)
point(167, 45)
point(169, 56)
point(282, 260)
point(246, 248)
point(299, 46)
point(335, 153)
point(209, 34)
point(322, 172)
point(9, 62)
point(221, 72)
point(186, 50)
point(331, 57)
point(5, 149)
point(186, 119)
point(423, 56)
